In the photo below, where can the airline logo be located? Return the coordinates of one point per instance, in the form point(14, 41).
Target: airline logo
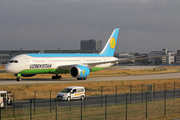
point(112, 43)
point(32, 66)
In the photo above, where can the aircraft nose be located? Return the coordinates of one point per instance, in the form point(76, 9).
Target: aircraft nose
point(9, 68)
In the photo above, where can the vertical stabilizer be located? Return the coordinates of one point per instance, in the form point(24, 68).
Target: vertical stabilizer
point(111, 44)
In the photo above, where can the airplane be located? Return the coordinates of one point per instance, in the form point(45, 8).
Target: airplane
point(78, 65)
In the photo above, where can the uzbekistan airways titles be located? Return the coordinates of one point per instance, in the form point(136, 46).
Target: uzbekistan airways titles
point(32, 66)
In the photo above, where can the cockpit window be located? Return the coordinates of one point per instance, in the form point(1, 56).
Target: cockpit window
point(13, 61)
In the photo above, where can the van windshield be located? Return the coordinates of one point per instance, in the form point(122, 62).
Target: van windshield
point(66, 90)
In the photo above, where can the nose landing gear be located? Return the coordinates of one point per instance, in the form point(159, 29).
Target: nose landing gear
point(56, 77)
point(18, 79)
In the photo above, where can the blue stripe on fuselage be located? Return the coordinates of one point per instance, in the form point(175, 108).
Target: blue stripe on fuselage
point(66, 55)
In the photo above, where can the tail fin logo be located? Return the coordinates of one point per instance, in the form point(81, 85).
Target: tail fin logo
point(112, 43)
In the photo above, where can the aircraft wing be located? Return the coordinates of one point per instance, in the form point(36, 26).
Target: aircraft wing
point(125, 59)
point(92, 65)
point(136, 58)
point(66, 67)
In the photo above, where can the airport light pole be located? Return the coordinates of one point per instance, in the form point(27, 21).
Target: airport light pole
point(34, 100)
point(85, 98)
point(31, 109)
point(142, 92)
point(165, 91)
point(50, 100)
point(101, 94)
point(146, 103)
point(126, 104)
point(130, 93)
point(13, 104)
point(106, 105)
point(174, 90)
point(116, 95)
point(154, 90)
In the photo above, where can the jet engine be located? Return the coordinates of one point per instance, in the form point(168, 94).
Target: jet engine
point(79, 71)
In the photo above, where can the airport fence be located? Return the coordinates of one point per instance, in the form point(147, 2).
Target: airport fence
point(137, 103)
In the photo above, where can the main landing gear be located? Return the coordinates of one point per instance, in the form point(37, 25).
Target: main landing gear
point(82, 78)
point(56, 77)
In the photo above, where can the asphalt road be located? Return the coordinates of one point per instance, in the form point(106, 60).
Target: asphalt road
point(90, 79)
point(97, 100)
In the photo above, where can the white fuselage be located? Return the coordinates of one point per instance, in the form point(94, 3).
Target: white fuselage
point(25, 62)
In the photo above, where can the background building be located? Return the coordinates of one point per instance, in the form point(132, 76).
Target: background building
point(87, 46)
point(178, 57)
point(170, 58)
point(133, 55)
point(6, 55)
point(71, 51)
point(123, 55)
point(91, 44)
point(156, 61)
point(162, 60)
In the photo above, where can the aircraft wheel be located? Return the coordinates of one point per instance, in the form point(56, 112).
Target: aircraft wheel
point(53, 77)
point(59, 77)
point(18, 79)
point(56, 77)
point(82, 78)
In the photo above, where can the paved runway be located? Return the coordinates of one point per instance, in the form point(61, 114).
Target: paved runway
point(90, 79)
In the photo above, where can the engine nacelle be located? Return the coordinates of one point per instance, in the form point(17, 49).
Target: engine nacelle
point(79, 71)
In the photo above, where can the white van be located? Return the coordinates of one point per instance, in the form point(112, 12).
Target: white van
point(72, 93)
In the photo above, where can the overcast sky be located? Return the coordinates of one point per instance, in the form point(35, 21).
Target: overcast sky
point(145, 25)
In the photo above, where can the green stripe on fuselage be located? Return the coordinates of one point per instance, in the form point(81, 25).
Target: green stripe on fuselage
point(43, 71)
point(97, 69)
point(52, 71)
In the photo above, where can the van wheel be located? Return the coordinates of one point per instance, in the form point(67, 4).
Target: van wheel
point(68, 99)
point(82, 97)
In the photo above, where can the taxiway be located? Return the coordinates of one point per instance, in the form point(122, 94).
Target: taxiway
point(90, 79)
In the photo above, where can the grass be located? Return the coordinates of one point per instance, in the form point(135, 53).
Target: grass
point(135, 111)
point(26, 91)
point(2, 67)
